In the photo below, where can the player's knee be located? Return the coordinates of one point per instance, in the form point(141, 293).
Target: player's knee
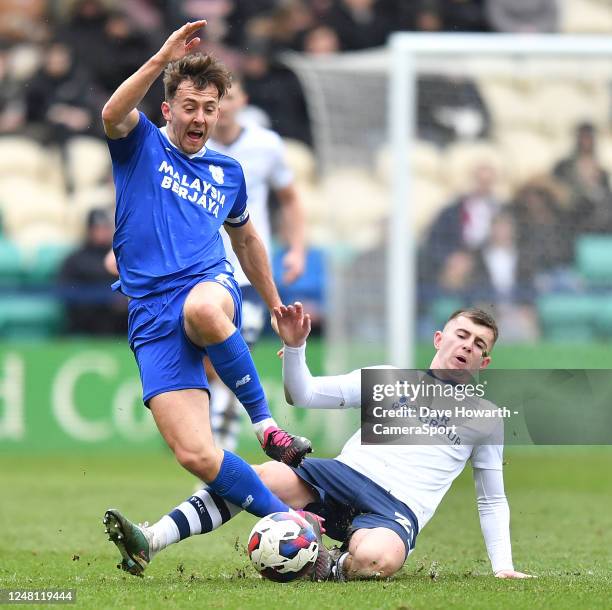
point(204, 462)
point(203, 315)
point(375, 563)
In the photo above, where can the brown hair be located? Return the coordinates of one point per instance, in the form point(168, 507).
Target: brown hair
point(478, 316)
point(201, 70)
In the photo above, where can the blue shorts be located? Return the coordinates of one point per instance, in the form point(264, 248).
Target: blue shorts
point(167, 359)
point(349, 501)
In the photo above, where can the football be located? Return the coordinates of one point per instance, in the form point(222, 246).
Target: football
point(283, 547)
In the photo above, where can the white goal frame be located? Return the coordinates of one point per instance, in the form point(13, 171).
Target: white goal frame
point(405, 50)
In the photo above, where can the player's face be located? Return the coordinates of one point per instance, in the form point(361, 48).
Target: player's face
point(231, 104)
point(191, 116)
point(462, 345)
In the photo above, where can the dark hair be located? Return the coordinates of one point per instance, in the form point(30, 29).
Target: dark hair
point(202, 70)
point(478, 316)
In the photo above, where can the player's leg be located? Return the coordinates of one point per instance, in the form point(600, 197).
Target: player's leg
point(208, 313)
point(201, 513)
point(182, 418)
point(286, 484)
point(372, 553)
point(225, 411)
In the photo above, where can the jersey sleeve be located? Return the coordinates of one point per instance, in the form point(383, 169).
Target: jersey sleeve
point(122, 150)
point(488, 457)
point(281, 175)
point(328, 392)
point(239, 214)
point(494, 514)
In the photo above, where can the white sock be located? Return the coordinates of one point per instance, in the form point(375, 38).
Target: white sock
point(261, 426)
point(220, 397)
point(163, 533)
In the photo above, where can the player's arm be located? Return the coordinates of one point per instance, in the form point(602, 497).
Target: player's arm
point(119, 113)
point(253, 259)
point(294, 228)
point(301, 388)
point(110, 263)
point(494, 514)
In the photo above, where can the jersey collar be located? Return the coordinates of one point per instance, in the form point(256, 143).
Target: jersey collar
point(195, 155)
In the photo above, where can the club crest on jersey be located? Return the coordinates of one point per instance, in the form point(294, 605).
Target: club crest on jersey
point(217, 173)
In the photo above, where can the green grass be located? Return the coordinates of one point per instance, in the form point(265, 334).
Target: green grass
point(52, 537)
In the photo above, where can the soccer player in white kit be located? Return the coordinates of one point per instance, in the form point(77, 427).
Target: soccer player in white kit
point(261, 153)
point(375, 498)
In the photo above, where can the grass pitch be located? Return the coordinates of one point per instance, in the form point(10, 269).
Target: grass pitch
point(52, 537)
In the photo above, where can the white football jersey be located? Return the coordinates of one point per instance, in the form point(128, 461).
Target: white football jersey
point(261, 153)
point(420, 475)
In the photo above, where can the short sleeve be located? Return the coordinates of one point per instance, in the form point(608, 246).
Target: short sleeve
point(122, 149)
point(488, 457)
point(239, 214)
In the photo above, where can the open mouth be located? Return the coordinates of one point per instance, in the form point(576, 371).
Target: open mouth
point(195, 135)
point(461, 359)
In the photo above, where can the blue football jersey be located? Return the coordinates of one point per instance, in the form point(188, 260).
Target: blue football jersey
point(170, 207)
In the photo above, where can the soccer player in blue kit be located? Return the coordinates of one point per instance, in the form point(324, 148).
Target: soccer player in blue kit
point(173, 195)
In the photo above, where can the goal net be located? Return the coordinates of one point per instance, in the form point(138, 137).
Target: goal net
point(454, 170)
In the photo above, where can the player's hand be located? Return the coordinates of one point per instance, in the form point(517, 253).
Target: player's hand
point(177, 45)
point(293, 324)
point(294, 262)
point(512, 574)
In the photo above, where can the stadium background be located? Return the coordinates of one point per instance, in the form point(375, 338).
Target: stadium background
point(542, 260)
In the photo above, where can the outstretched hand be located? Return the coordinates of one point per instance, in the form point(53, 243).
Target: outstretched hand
point(177, 45)
point(513, 574)
point(292, 323)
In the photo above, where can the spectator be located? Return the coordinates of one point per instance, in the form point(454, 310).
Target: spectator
point(464, 16)
point(460, 229)
point(507, 271)
point(544, 233)
point(12, 116)
point(523, 15)
point(84, 32)
point(504, 274)
point(124, 50)
point(438, 15)
point(24, 21)
point(321, 40)
point(359, 24)
point(589, 184)
point(240, 16)
point(276, 90)
point(92, 308)
point(450, 109)
point(283, 26)
point(60, 101)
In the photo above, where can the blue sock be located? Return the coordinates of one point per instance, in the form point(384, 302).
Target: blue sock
point(239, 483)
point(233, 362)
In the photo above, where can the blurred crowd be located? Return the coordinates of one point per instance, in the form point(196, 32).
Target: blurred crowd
point(60, 61)
point(507, 253)
point(73, 54)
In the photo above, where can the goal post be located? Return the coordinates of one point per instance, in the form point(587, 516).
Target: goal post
point(383, 181)
point(405, 51)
